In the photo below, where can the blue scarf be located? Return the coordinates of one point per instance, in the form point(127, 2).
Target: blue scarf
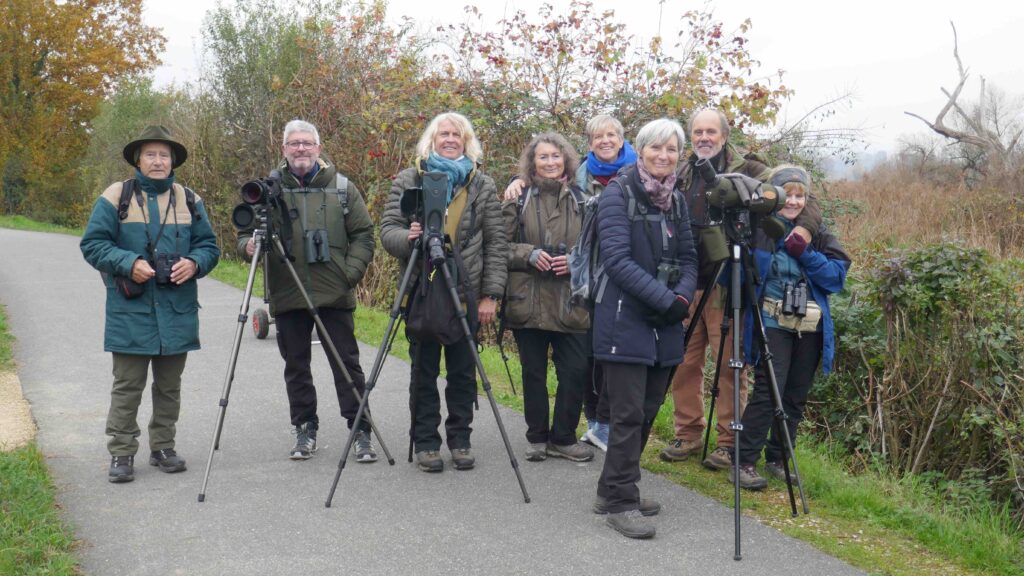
point(457, 170)
point(598, 168)
point(154, 185)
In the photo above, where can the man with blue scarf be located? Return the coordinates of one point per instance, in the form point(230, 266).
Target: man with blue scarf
point(150, 251)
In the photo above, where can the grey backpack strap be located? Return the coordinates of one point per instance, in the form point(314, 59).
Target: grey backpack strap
point(343, 193)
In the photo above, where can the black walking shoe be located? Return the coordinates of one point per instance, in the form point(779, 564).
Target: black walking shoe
point(462, 459)
point(122, 469)
point(631, 524)
point(167, 460)
point(364, 448)
point(647, 507)
point(429, 461)
point(305, 442)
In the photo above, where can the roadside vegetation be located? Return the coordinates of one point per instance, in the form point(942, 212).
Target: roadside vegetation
point(33, 539)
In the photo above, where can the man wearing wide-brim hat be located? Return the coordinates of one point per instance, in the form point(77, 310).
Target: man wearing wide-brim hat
point(151, 239)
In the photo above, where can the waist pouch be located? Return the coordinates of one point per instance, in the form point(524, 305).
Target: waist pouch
point(808, 323)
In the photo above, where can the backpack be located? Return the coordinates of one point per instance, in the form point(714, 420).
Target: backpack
point(128, 189)
point(587, 276)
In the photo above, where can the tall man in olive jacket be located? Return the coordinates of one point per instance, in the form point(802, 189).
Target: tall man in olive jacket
point(709, 137)
point(320, 200)
point(149, 250)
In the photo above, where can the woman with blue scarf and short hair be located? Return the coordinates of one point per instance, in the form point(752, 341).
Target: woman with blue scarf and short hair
point(476, 231)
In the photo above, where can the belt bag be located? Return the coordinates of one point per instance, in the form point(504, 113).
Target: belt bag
point(808, 323)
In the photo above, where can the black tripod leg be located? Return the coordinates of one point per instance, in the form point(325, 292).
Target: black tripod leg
point(498, 336)
point(736, 364)
point(714, 384)
point(780, 426)
point(766, 356)
point(229, 377)
point(378, 366)
point(483, 377)
point(326, 338)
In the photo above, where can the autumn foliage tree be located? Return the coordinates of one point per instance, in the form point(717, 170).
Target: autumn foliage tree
point(60, 60)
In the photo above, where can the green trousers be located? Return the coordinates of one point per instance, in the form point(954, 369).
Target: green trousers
point(130, 372)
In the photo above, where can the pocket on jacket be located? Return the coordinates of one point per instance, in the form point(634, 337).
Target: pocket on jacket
point(519, 298)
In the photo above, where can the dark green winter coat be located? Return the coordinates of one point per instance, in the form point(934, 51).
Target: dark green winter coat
point(164, 320)
point(330, 284)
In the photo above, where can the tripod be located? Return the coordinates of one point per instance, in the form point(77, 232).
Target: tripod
point(435, 254)
point(259, 235)
point(741, 294)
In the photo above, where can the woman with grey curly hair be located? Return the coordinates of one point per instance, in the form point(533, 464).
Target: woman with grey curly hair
point(542, 225)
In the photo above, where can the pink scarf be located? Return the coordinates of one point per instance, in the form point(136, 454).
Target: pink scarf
point(658, 191)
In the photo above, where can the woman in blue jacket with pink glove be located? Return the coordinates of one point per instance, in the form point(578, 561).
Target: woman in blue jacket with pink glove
point(797, 274)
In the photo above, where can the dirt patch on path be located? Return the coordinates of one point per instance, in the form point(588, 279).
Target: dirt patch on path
point(16, 425)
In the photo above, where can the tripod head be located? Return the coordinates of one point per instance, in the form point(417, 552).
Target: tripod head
point(745, 203)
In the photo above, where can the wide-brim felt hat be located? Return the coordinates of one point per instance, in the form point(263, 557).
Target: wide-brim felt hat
point(156, 134)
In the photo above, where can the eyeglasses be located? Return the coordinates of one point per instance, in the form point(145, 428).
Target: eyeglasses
point(297, 144)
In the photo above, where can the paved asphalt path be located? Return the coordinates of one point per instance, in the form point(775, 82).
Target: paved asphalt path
point(265, 514)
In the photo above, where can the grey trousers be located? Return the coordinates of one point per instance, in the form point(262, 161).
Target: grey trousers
point(126, 395)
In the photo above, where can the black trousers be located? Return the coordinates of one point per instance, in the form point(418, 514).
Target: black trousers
point(568, 352)
point(795, 359)
point(595, 400)
point(635, 393)
point(294, 329)
point(459, 394)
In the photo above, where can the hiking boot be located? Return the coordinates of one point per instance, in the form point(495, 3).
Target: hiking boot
point(429, 461)
point(574, 452)
point(597, 436)
point(679, 450)
point(775, 470)
point(167, 460)
point(647, 507)
point(749, 478)
point(462, 459)
point(631, 524)
point(364, 448)
point(537, 452)
point(719, 459)
point(305, 441)
point(122, 469)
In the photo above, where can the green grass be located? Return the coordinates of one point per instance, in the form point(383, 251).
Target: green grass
point(33, 540)
point(23, 223)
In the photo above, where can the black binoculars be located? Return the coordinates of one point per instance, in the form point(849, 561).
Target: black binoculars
point(162, 266)
point(794, 299)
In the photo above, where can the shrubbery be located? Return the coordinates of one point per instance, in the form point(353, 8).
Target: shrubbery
point(930, 368)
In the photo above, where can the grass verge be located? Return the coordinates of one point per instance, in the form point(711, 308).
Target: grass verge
point(33, 540)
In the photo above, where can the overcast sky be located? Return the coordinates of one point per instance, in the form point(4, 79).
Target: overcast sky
point(893, 55)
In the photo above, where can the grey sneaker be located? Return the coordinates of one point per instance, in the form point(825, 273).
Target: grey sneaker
point(429, 461)
point(305, 442)
point(122, 469)
point(775, 470)
point(575, 452)
point(364, 448)
point(167, 460)
point(631, 524)
point(537, 452)
point(462, 459)
point(749, 478)
point(719, 459)
point(679, 450)
point(647, 507)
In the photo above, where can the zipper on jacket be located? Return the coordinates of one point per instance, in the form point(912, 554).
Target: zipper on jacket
point(656, 335)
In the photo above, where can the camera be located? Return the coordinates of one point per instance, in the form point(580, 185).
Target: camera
point(726, 194)
point(669, 271)
point(794, 299)
point(428, 205)
point(262, 190)
point(162, 265)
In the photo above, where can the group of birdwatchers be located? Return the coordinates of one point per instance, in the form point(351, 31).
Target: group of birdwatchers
point(615, 361)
